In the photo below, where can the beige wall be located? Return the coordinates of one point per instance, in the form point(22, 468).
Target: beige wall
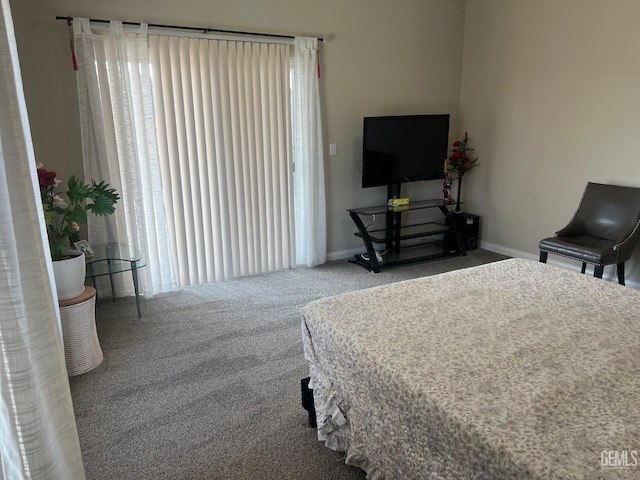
point(550, 96)
point(381, 58)
point(546, 88)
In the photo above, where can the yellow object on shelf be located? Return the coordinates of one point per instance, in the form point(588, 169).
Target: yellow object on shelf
point(397, 202)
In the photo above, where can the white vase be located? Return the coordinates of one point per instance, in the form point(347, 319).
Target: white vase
point(69, 275)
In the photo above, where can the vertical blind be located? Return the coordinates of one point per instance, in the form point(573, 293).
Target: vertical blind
point(223, 126)
point(221, 144)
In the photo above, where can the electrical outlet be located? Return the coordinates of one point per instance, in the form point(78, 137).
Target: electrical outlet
point(332, 149)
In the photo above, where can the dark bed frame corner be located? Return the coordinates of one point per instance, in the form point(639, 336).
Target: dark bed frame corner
point(307, 401)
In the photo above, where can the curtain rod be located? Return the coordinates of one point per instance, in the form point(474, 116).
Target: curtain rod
point(198, 29)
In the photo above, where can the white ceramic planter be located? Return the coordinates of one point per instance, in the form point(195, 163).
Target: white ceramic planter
point(70, 275)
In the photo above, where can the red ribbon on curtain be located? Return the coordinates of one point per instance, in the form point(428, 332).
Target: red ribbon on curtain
point(71, 44)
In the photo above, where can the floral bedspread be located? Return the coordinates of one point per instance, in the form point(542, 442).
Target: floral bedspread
point(510, 370)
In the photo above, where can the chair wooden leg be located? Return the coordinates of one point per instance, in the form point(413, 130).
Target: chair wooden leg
point(598, 270)
point(543, 256)
point(584, 267)
point(621, 273)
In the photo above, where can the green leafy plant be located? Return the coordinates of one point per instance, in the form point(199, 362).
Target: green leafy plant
point(459, 160)
point(63, 216)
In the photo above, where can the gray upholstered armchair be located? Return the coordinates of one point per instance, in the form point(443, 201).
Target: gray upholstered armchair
point(603, 231)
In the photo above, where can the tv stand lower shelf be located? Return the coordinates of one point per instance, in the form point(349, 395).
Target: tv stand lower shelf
point(395, 233)
point(413, 253)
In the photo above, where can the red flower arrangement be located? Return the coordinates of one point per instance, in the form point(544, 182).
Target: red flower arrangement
point(47, 179)
point(459, 161)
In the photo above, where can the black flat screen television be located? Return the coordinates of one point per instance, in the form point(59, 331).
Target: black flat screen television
point(408, 148)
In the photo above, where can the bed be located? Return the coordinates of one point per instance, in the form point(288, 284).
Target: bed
point(509, 370)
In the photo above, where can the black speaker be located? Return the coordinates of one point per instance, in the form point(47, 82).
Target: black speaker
point(469, 225)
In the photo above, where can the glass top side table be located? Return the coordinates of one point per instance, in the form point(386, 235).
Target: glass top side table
point(112, 258)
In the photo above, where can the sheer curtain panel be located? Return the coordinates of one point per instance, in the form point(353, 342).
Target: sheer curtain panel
point(38, 436)
point(119, 145)
point(309, 188)
point(223, 123)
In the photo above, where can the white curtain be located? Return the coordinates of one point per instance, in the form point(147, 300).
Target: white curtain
point(309, 200)
point(223, 124)
point(120, 147)
point(38, 436)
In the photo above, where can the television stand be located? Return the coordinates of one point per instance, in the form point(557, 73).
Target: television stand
point(394, 234)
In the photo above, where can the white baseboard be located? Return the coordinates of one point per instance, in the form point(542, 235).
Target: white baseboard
point(609, 274)
point(342, 254)
point(510, 252)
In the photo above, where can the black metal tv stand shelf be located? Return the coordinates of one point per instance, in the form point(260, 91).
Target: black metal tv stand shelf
point(395, 233)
